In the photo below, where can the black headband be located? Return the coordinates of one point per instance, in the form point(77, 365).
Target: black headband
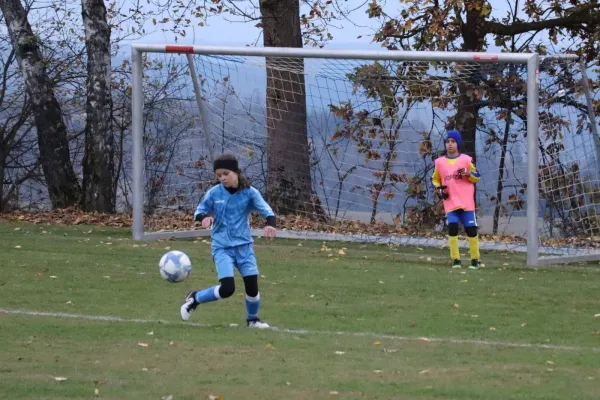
point(231, 165)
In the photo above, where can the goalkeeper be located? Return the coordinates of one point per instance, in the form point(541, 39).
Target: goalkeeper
point(454, 178)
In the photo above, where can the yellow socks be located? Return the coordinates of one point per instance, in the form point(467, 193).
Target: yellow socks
point(473, 247)
point(453, 243)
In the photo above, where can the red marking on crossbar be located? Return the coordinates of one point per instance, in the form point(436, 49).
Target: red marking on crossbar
point(179, 49)
point(485, 57)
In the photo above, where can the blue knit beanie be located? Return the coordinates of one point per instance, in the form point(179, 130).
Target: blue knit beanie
point(454, 135)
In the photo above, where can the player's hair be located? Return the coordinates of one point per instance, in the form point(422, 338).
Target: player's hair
point(230, 162)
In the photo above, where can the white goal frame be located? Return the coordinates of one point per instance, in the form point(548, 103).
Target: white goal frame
point(531, 60)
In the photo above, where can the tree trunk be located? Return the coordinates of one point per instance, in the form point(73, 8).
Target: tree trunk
point(502, 167)
point(466, 122)
point(98, 158)
point(289, 188)
point(63, 188)
point(468, 108)
point(2, 166)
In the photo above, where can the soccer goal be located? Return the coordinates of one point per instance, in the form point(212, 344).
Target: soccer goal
point(342, 143)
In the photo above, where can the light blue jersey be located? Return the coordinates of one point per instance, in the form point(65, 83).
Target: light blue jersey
point(231, 225)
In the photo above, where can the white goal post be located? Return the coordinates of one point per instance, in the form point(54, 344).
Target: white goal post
point(426, 88)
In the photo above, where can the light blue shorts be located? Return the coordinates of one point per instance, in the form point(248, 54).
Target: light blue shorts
point(241, 257)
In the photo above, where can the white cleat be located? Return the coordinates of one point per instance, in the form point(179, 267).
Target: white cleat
point(257, 323)
point(189, 306)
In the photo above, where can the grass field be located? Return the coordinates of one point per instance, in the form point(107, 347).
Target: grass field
point(378, 322)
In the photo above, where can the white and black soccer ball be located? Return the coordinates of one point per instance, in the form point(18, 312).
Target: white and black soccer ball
point(175, 266)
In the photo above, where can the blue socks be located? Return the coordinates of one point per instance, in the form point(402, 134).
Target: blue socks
point(212, 294)
point(252, 306)
point(208, 295)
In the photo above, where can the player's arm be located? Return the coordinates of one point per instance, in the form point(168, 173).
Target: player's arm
point(474, 175)
point(436, 179)
point(205, 207)
point(259, 204)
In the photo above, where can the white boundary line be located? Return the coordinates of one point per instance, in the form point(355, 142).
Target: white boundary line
point(107, 318)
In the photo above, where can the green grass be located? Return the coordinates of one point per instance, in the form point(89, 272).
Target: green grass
point(373, 303)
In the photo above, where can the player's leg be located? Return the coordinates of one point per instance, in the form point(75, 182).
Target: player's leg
point(247, 265)
point(453, 218)
point(253, 302)
point(224, 262)
point(469, 221)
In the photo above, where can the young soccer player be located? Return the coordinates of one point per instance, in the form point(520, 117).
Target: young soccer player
point(454, 177)
point(226, 207)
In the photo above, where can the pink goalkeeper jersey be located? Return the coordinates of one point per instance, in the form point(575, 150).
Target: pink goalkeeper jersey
point(461, 191)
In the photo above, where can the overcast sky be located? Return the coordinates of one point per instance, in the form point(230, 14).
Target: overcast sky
point(219, 31)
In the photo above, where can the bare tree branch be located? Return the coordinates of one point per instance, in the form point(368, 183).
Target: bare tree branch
point(575, 18)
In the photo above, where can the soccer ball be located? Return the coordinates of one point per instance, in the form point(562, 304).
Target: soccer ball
point(175, 266)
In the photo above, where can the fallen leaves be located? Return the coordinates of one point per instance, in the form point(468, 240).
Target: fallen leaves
point(69, 216)
point(143, 344)
point(181, 220)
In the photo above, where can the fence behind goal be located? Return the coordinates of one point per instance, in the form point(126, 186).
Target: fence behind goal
point(345, 141)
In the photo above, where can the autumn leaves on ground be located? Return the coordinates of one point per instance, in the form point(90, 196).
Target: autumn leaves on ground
point(351, 322)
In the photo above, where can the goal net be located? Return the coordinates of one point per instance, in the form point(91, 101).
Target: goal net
point(343, 143)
